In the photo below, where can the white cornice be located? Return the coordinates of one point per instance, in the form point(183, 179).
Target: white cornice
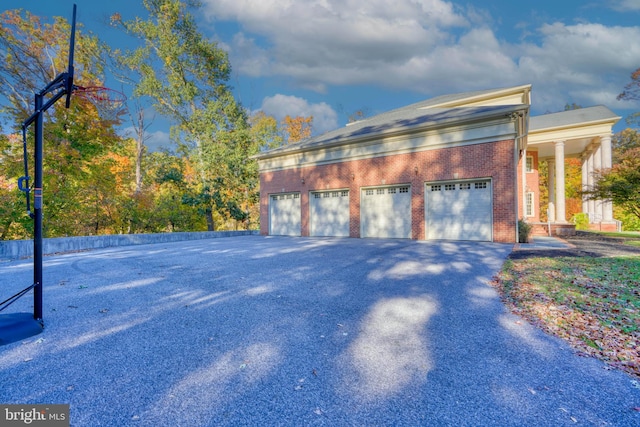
point(476, 132)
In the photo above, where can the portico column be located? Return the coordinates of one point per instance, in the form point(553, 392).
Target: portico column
point(585, 181)
point(590, 202)
point(597, 165)
point(605, 144)
point(560, 202)
point(551, 165)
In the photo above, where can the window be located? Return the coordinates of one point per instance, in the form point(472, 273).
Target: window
point(465, 186)
point(529, 200)
point(316, 195)
point(296, 196)
point(368, 192)
point(479, 185)
point(449, 187)
point(326, 195)
point(335, 194)
point(404, 189)
point(380, 191)
point(436, 187)
point(392, 191)
point(345, 193)
point(274, 197)
point(529, 164)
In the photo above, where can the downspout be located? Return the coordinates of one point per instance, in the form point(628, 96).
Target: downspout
point(522, 128)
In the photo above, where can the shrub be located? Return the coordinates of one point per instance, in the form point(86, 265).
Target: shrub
point(581, 220)
point(524, 231)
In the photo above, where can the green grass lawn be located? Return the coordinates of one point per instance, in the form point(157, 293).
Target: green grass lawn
point(593, 303)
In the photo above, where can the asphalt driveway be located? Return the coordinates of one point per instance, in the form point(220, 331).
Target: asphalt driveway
point(297, 331)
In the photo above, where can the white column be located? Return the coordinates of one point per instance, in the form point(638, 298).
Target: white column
point(560, 202)
point(551, 169)
point(524, 183)
point(585, 181)
point(597, 165)
point(591, 203)
point(605, 144)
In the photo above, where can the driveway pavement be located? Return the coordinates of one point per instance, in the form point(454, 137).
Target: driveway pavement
point(297, 331)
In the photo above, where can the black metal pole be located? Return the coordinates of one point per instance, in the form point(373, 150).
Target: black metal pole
point(37, 210)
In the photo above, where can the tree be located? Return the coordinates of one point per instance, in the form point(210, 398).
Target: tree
point(33, 53)
point(632, 89)
point(264, 130)
point(621, 183)
point(140, 127)
point(624, 140)
point(186, 76)
point(296, 129)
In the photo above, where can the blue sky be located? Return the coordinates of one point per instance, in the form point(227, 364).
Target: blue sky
point(329, 58)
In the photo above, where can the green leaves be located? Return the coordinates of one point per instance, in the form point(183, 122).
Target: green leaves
point(186, 76)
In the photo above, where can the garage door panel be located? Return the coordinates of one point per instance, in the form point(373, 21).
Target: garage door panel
point(329, 213)
point(459, 211)
point(386, 212)
point(284, 214)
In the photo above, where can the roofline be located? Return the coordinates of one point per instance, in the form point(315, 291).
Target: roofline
point(496, 111)
point(487, 95)
point(612, 120)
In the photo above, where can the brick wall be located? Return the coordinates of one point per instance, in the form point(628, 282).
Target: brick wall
point(489, 160)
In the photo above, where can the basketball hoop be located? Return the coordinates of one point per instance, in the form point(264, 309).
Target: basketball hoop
point(109, 103)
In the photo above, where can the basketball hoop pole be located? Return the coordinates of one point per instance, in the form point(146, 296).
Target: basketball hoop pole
point(62, 85)
point(37, 118)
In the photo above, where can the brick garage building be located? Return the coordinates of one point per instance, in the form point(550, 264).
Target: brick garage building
point(454, 167)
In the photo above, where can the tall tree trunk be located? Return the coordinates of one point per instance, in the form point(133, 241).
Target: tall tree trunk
point(210, 223)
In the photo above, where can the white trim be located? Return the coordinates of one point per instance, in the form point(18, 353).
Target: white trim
point(433, 139)
point(526, 164)
point(529, 208)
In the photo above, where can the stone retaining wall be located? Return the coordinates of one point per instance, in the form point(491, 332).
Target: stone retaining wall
point(15, 249)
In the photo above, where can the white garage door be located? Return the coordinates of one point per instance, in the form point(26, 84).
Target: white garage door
point(329, 213)
point(284, 214)
point(386, 212)
point(459, 210)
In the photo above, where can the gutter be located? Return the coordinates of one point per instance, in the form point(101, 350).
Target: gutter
point(520, 145)
point(495, 111)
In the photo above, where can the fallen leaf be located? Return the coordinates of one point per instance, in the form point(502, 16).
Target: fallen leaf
point(318, 411)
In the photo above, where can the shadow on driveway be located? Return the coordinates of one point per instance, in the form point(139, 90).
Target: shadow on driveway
point(297, 331)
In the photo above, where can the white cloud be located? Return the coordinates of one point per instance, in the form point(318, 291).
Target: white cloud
point(427, 46)
point(320, 42)
point(154, 141)
point(586, 63)
point(158, 140)
point(279, 106)
point(625, 5)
